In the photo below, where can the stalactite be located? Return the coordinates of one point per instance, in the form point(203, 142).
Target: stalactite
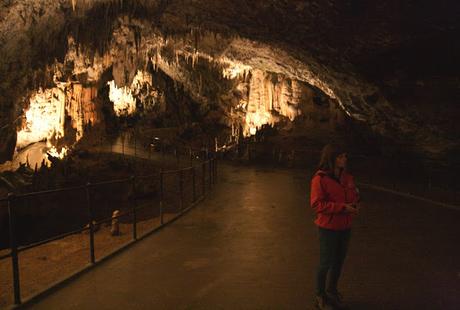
point(124, 98)
point(194, 59)
point(268, 97)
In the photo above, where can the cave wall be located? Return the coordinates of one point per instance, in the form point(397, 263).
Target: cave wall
point(355, 52)
point(26, 29)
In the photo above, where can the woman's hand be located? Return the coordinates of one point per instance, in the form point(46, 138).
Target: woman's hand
point(351, 208)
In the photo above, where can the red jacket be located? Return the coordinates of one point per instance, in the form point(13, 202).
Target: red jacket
point(328, 198)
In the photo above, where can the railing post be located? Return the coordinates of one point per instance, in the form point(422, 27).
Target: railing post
point(91, 226)
point(181, 189)
point(215, 170)
point(429, 183)
point(177, 156)
point(203, 177)
point(123, 144)
point(210, 174)
point(191, 157)
point(249, 150)
point(14, 249)
point(452, 188)
point(194, 184)
point(135, 144)
point(133, 180)
point(161, 196)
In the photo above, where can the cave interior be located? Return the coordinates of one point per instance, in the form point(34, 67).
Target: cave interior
point(291, 75)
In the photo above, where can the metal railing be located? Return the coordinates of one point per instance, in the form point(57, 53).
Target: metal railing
point(127, 145)
point(200, 179)
point(432, 180)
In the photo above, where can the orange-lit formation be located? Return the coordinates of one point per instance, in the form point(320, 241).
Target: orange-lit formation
point(49, 110)
point(124, 98)
point(258, 92)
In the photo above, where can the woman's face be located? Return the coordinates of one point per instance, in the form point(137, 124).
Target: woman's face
point(341, 160)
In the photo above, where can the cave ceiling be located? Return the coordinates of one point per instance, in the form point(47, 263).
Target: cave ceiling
point(359, 53)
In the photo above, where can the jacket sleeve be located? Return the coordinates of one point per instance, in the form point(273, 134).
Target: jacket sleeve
point(318, 199)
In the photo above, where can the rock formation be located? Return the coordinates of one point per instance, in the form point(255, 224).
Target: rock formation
point(257, 61)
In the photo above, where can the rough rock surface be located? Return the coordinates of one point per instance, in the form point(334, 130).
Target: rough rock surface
point(362, 54)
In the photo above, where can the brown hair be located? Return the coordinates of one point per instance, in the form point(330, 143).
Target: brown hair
point(328, 156)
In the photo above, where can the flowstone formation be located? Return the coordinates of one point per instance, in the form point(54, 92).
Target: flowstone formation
point(243, 65)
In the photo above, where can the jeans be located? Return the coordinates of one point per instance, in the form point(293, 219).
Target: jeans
point(333, 250)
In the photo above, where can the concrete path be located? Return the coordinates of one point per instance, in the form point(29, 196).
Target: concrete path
point(252, 245)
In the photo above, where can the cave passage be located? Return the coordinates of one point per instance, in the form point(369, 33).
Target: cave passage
point(249, 246)
point(111, 107)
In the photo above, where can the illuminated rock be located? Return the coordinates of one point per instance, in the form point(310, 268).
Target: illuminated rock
point(350, 51)
point(124, 97)
point(123, 101)
point(58, 154)
point(45, 117)
point(80, 106)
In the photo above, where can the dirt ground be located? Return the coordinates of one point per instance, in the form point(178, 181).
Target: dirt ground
point(42, 266)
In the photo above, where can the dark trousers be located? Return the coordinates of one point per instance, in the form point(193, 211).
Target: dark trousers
point(333, 250)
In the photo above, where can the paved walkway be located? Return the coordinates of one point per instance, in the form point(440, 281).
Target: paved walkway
point(252, 245)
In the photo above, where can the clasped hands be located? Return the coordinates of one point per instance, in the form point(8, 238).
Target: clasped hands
point(352, 208)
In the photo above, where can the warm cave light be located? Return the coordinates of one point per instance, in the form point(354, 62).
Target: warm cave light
point(44, 118)
point(124, 98)
point(235, 70)
point(255, 120)
point(49, 114)
point(55, 153)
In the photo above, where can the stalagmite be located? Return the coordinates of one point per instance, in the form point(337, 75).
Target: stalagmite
point(115, 224)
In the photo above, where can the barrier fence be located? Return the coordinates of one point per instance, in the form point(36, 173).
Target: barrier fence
point(173, 192)
point(165, 196)
point(432, 180)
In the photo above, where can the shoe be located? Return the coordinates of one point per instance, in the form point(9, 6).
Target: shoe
point(336, 300)
point(322, 303)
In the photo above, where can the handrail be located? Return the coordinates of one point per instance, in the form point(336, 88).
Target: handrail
point(52, 191)
point(109, 182)
point(58, 190)
point(5, 256)
point(184, 169)
point(148, 176)
point(11, 199)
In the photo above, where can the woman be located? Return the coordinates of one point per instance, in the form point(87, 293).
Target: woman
point(334, 198)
